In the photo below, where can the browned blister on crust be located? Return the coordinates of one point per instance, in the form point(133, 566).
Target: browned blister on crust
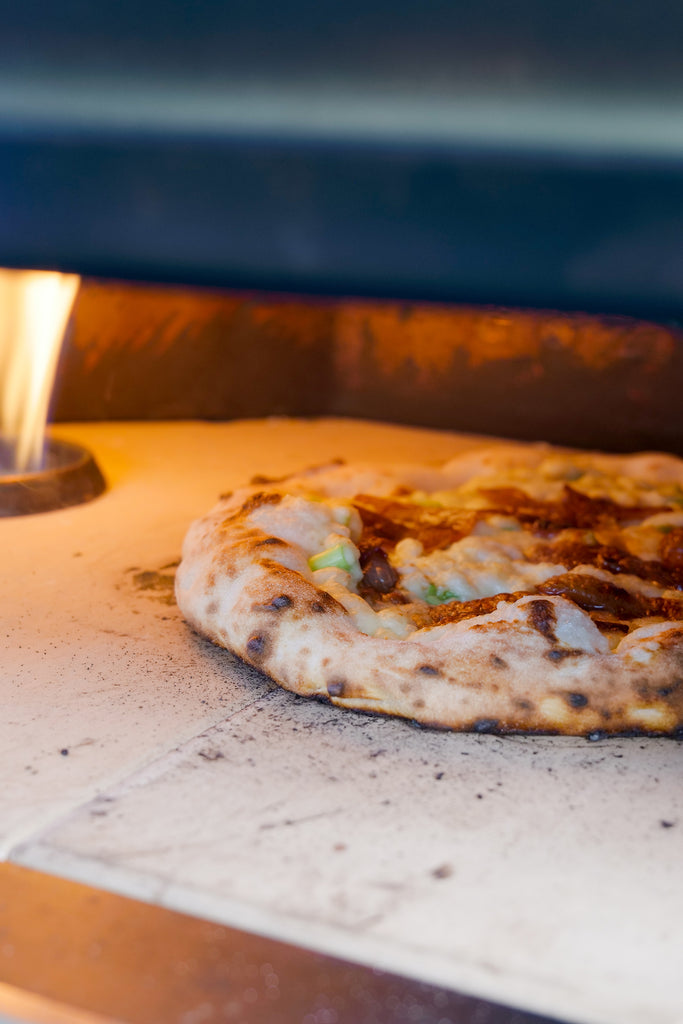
point(581, 652)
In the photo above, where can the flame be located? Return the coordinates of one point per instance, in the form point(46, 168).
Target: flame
point(34, 311)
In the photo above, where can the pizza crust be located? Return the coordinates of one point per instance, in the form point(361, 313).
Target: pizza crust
point(534, 664)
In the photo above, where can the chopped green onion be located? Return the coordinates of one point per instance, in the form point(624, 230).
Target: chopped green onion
point(337, 557)
point(439, 595)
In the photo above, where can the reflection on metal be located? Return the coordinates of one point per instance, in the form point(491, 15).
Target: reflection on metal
point(70, 477)
point(17, 1005)
point(149, 352)
point(122, 960)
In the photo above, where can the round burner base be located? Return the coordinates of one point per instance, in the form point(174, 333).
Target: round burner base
point(70, 477)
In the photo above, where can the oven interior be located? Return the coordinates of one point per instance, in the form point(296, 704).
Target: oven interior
point(301, 238)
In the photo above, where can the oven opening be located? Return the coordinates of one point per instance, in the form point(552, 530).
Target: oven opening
point(151, 764)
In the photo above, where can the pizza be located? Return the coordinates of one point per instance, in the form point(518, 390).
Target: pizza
point(516, 588)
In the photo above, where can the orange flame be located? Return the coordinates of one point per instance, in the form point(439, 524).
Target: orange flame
point(34, 311)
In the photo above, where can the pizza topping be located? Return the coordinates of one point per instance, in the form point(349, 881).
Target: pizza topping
point(456, 611)
point(378, 574)
point(423, 559)
point(671, 551)
point(340, 556)
point(613, 560)
point(574, 510)
point(471, 568)
point(438, 595)
point(594, 594)
point(387, 521)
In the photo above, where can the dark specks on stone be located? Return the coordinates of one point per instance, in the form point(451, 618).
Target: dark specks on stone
point(152, 580)
point(443, 871)
point(577, 700)
point(667, 824)
point(439, 776)
point(64, 751)
point(211, 755)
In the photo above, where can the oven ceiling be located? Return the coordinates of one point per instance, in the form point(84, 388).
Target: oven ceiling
point(526, 153)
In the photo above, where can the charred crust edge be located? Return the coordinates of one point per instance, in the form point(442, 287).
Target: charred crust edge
point(542, 618)
point(577, 700)
point(257, 646)
point(558, 654)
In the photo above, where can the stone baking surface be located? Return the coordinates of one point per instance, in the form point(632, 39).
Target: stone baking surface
point(134, 755)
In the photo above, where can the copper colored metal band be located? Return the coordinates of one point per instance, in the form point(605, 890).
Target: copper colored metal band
point(109, 958)
point(70, 477)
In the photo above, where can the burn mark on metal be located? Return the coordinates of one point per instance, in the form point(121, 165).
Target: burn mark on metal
point(569, 377)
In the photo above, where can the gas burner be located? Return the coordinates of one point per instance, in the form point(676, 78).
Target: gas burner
point(70, 477)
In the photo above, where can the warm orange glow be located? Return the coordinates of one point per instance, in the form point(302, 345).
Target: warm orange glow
point(34, 311)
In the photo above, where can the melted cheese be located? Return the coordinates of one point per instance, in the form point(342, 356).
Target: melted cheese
point(493, 559)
